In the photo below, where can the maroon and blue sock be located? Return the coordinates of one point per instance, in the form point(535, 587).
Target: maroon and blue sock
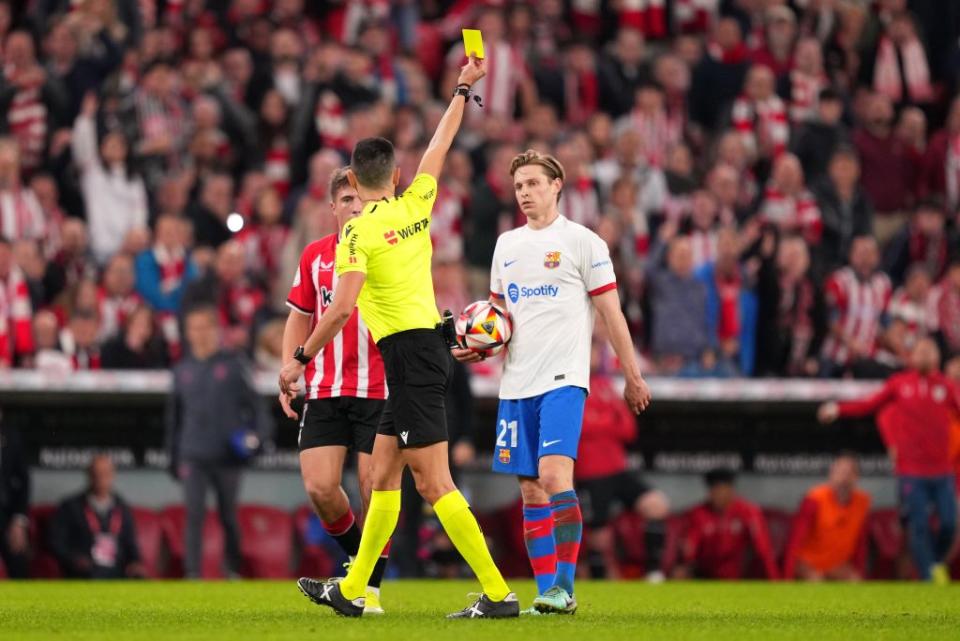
point(538, 536)
point(567, 531)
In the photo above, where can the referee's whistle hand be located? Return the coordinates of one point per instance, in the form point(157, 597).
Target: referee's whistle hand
point(466, 355)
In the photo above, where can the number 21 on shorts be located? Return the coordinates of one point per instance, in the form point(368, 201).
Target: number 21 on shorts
point(502, 434)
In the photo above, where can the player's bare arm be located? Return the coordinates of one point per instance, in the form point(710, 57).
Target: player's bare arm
point(329, 325)
point(636, 393)
point(295, 333)
point(436, 153)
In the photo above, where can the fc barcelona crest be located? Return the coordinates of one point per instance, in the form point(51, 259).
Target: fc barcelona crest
point(504, 456)
point(551, 260)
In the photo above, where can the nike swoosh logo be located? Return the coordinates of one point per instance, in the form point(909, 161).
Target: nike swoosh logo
point(507, 263)
point(326, 266)
point(549, 443)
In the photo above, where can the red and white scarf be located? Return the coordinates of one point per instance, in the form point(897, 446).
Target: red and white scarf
point(695, 16)
point(115, 310)
point(21, 216)
point(792, 213)
point(16, 334)
point(763, 123)
point(886, 72)
point(804, 95)
point(172, 264)
point(27, 119)
point(647, 16)
point(330, 119)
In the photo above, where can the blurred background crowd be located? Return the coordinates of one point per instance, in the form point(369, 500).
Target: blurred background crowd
point(778, 182)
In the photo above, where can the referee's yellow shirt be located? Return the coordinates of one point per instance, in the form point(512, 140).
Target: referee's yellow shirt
point(390, 243)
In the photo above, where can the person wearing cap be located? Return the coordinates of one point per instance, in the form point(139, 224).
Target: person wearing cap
point(723, 532)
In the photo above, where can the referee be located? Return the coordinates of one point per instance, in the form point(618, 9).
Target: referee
point(383, 263)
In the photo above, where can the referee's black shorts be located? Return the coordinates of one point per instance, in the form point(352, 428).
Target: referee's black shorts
point(418, 368)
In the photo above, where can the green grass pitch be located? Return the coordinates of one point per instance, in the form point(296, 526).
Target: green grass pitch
point(265, 611)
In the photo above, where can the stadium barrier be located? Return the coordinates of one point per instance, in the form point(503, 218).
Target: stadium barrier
point(762, 426)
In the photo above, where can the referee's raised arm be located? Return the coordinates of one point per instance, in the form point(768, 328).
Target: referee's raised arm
point(436, 153)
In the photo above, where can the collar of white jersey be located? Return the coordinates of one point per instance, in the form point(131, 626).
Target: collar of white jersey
point(559, 221)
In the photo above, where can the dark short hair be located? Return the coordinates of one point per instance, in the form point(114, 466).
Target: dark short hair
point(720, 476)
point(338, 181)
point(202, 308)
point(829, 93)
point(931, 203)
point(373, 162)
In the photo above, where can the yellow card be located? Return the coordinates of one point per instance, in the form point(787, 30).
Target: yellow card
point(472, 42)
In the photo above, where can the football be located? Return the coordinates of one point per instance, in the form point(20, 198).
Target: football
point(483, 327)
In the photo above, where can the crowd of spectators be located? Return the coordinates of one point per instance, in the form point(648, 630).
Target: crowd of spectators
point(778, 181)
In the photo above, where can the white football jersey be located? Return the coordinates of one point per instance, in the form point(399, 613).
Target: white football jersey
point(546, 277)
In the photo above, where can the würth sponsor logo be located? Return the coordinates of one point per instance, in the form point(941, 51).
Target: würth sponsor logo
point(391, 237)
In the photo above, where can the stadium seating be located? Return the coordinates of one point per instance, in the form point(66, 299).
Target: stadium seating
point(628, 530)
point(314, 559)
point(505, 527)
point(43, 565)
point(885, 545)
point(150, 540)
point(266, 535)
point(778, 525)
point(174, 523)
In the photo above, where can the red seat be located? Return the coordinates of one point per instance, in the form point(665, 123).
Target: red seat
point(778, 523)
point(149, 526)
point(629, 530)
point(885, 540)
point(174, 523)
point(505, 528)
point(314, 559)
point(266, 541)
point(43, 565)
point(3, 570)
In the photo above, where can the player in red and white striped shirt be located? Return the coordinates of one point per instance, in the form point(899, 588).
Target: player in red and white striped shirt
point(346, 389)
point(858, 297)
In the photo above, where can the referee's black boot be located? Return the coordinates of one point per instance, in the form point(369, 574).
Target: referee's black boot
point(484, 608)
point(328, 593)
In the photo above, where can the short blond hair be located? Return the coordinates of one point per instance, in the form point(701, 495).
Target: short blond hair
point(551, 166)
point(338, 181)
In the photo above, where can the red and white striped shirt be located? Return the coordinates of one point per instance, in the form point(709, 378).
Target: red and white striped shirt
point(27, 120)
point(859, 306)
point(798, 213)
point(762, 124)
point(659, 131)
point(350, 364)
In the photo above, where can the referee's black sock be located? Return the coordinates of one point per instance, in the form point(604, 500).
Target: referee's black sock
point(377, 576)
point(346, 533)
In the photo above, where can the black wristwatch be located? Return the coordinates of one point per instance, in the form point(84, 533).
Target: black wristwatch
point(298, 355)
point(463, 89)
